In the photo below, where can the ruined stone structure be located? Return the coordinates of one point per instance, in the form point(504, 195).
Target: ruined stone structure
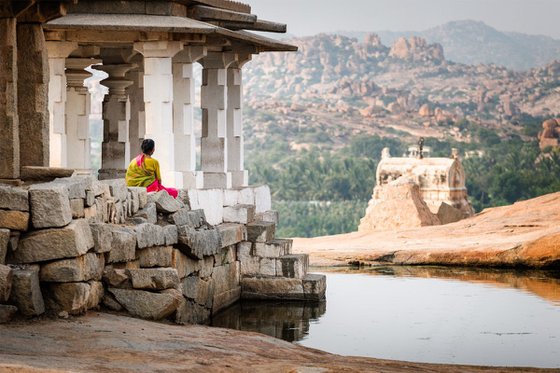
point(68, 244)
point(550, 135)
point(433, 188)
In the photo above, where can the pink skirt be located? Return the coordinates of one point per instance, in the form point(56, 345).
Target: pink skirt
point(156, 187)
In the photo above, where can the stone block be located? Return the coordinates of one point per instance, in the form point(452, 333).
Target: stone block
point(26, 292)
point(116, 278)
point(225, 277)
point(5, 283)
point(270, 216)
point(231, 197)
point(246, 196)
point(50, 205)
point(154, 278)
point(49, 244)
point(83, 268)
point(71, 297)
point(133, 199)
point(199, 243)
point(206, 266)
point(15, 220)
point(13, 243)
point(260, 231)
point(149, 213)
point(225, 299)
point(90, 198)
point(100, 189)
point(110, 302)
point(251, 266)
point(145, 304)
point(158, 256)
point(77, 207)
point(244, 250)
point(142, 195)
point(292, 266)
point(7, 312)
point(171, 235)
point(102, 237)
point(199, 290)
point(91, 215)
point(190, 218)
point(268, 267)
point(96, 294)
point(272, 288)
point(242, 214)
point(314, 286)
point(148, 235)
point(117, 188)
point(4, 241)
point(133, 264)
point(123, 245)
point(183, 264)
point(76, 185)
point(189, 312)
point(165, 203)
point(209, 200)
point(226, 256)
point(273, 249)
point(231, 233)
point(263, 200)
point(13, 198)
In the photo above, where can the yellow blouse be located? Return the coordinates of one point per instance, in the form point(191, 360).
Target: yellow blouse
point(142, 171)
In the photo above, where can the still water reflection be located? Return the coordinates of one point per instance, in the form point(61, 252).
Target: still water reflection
point(440, 315)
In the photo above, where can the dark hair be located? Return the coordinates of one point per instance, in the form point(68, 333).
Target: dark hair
point(147, 146)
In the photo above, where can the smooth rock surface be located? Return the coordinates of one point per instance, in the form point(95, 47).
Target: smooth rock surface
point(48, 244)
point(526, 233)
point(65, 345)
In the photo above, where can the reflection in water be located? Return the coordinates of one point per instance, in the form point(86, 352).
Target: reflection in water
point(423, 314)
point(285, 320)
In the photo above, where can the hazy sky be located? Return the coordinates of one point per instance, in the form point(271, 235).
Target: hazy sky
point(307, 17)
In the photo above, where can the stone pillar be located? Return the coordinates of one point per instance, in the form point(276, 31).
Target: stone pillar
point(57, 52)
point(137, 124)
point(33, 79)
point(213, 144)
point(183, 120)
point(77, 113)
point(235, 147)
point(158, 101)
point(9, 124)
point(115, 149)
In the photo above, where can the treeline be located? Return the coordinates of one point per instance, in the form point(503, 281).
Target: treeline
point(502, 173)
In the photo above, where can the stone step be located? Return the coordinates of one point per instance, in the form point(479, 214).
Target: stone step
point(261, 231)
point(292, 266)
point(242, 214)
point(273, 249)
point(270, 216)
point(312, 287)
point(231, 234)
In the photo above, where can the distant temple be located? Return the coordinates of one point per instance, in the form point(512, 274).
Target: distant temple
point(434, 186)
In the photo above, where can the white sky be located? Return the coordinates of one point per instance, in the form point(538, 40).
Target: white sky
point(308, 17)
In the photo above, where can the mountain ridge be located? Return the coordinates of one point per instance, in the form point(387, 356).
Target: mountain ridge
point(474, 42)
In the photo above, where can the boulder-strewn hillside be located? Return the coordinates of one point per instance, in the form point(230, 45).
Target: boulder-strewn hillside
point(336, 87)
point(473, 42)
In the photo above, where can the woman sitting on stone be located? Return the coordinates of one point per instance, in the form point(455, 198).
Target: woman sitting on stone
point(143, 171)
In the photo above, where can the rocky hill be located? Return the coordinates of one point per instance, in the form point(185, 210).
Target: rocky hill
point(336, 87)
point(473, 42)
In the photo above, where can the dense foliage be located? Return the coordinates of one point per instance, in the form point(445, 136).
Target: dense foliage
point(326, 192)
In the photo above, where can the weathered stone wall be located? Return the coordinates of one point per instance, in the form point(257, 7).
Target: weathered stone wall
point(77, 243)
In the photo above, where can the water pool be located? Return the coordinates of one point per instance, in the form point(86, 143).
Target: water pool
point(457, 316)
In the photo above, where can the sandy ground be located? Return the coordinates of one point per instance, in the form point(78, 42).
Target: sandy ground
point(524, 234)
point(100, 342)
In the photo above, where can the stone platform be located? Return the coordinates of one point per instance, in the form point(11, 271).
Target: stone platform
point(77, 243)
